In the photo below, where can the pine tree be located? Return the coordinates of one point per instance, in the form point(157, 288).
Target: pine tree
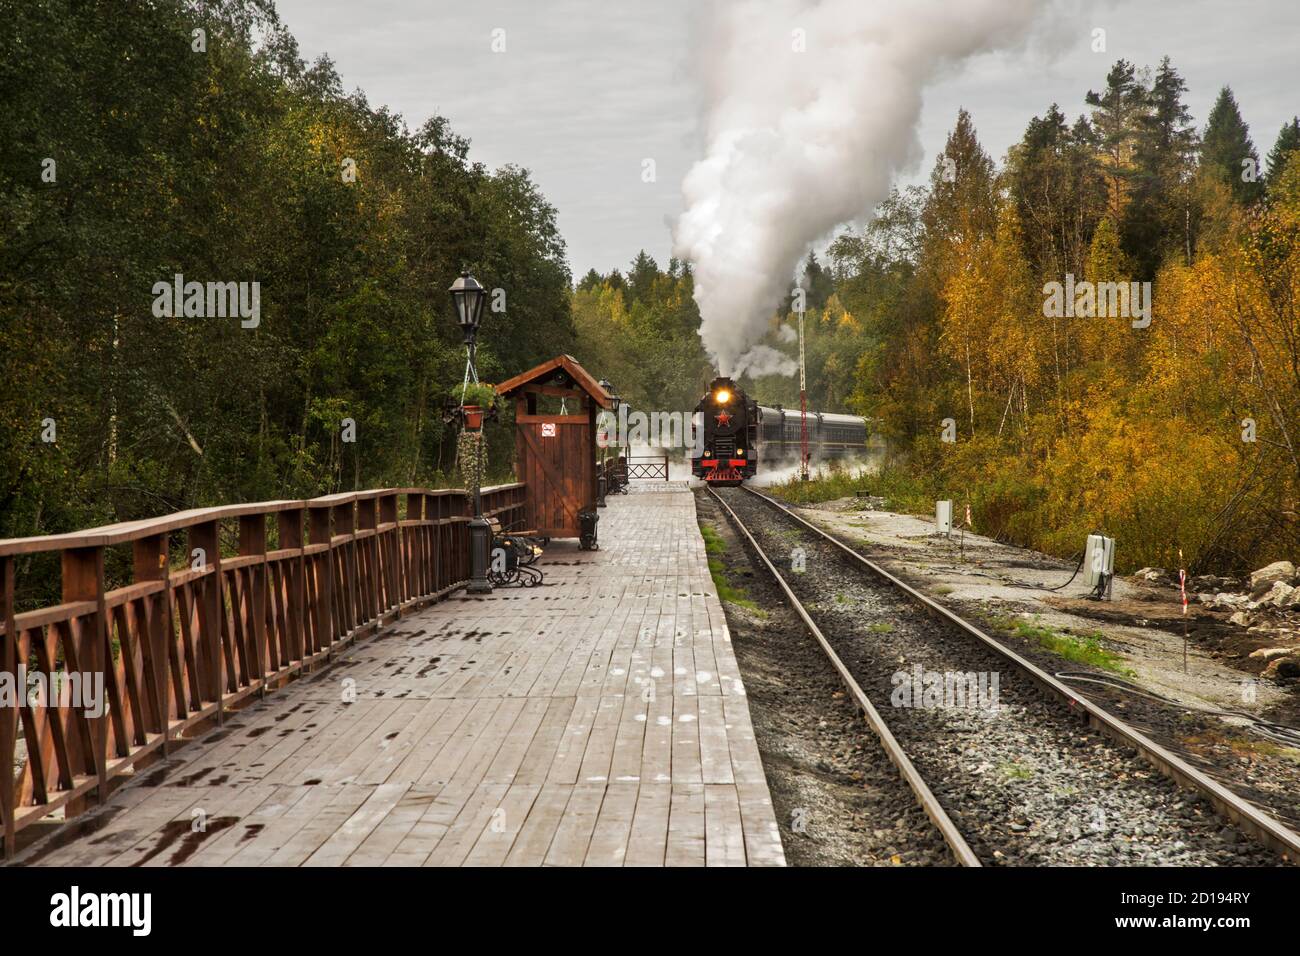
point(1167, 138)
point(592, 280)
point(1058, 193)
point(1116, 121)
point(1227, 154)
point(1156, 220)
point(641, 277)
point(961, 204)
point(1288, 140)
point(818, 282)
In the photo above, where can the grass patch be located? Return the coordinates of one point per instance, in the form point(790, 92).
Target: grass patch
point(713, 543)
point(1014, 771)
point(1244, 748)
point(881, 627)
point(1266, 748)
point(901, 491)
point(732, 594)
point(1081, 649)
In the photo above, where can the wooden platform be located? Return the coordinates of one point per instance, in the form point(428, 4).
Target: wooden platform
point(598, 720)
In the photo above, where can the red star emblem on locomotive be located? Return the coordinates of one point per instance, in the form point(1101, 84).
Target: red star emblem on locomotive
point(722, 418)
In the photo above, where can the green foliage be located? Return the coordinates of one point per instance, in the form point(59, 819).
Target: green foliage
point(642, 334)
point(1014, 770)
point(902, 490)
point(230, 165)
point(1069, 424)
point(713, 543)
point(714, 546)
point(1226, 144)
point(1083, 649)
point(1288, 142)
point(475, 393)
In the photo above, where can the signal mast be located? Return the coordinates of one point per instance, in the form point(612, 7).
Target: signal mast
point(803, 396)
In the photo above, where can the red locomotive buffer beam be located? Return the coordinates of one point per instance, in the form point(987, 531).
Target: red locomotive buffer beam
point(715, 470)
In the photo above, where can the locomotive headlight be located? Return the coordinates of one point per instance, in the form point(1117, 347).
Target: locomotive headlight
point(740, 451)
point(722, 396)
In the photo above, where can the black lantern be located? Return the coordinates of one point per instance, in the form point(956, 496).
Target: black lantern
point(614, 400)
point(467, 298)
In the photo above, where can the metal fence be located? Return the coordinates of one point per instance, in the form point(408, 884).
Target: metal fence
point(648, 468)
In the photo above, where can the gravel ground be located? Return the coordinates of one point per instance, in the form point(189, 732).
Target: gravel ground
point(1027, 784)
point(838, 799)
point(1143, 623)
point(1249, 765)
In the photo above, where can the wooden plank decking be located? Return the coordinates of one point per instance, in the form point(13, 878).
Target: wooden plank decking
point(598, 720)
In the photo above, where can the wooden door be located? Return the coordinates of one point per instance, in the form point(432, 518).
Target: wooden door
point(558, 466)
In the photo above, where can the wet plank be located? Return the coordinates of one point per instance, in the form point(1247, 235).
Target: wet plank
point(598, 720)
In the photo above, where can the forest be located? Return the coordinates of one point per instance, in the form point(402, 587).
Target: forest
point(193, 139)
point(1180, 438)
point(137, 149)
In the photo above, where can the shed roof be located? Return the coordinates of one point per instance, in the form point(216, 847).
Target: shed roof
point(584, 379)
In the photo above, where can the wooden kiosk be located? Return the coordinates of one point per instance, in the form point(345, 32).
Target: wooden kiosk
point(555, 455)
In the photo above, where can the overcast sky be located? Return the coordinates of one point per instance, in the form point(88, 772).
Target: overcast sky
point(587, 90)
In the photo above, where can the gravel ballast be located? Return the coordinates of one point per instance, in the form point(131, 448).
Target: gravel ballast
point(1027, 782)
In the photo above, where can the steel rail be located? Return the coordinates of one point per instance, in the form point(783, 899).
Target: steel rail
point(1244, 814)
point(924, 795)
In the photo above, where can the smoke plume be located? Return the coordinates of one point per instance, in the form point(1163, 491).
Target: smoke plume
point(799, 142)
point(764, 360)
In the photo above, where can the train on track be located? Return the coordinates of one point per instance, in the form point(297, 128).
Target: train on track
point(740, 435)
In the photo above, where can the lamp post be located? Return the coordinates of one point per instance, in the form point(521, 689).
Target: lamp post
point(467, 298)
point(602, 479)
point(615, 403)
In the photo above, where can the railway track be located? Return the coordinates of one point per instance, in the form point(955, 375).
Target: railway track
point(1031, 774)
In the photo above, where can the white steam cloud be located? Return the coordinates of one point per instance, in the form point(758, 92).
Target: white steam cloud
point(799, 142)
point(763, 360)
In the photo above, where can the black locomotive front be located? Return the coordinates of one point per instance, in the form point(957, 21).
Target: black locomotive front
point(730, 425)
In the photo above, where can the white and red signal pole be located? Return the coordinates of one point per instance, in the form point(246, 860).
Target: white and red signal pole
point(803, 407)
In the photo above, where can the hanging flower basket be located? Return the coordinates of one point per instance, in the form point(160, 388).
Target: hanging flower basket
point(471, 405)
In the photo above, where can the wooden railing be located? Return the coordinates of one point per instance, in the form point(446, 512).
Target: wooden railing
point(178, 646)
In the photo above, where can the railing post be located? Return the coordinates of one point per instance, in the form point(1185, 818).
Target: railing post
point(435, 510)
point(211, 609)
point(412, 546)
point(83, 580)
point(390, 550)
point(323, 574)
point(345, 518)
point(153, 626)
point(252, 541)
point(367, 558)
point(289, 528)
point(9, 715)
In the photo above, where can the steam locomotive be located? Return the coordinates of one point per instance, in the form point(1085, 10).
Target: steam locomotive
point(740, 434)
